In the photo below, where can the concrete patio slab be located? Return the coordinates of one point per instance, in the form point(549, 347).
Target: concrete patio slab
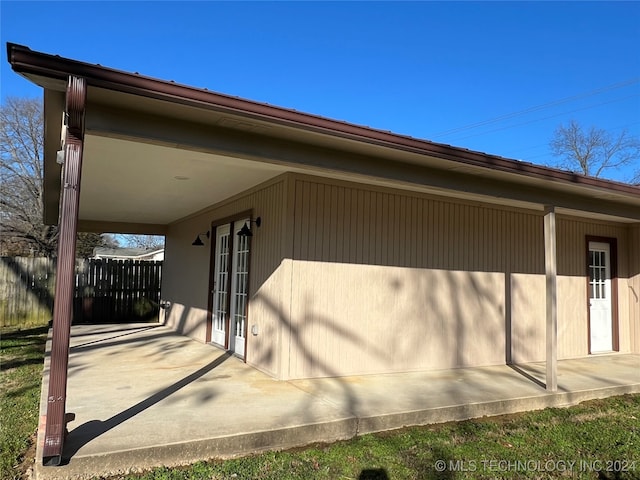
point(144, 396)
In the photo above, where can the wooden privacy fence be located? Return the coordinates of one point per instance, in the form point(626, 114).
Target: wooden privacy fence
point(26, 291)
point(117, 291)
point(106, 291)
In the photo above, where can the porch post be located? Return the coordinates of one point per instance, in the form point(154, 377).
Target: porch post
point(550, 266)
point(63, 305)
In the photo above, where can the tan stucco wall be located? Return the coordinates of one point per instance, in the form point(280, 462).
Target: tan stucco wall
point(186, 274)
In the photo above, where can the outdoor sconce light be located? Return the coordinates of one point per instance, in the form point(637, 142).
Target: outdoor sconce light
point(245, 231)
point(198, 241)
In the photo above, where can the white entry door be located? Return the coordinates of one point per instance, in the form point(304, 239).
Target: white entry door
point(220, 285)
point(230, 288)
point(239, 290)
point(600, 304)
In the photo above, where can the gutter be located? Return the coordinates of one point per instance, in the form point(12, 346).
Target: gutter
point(26, 61)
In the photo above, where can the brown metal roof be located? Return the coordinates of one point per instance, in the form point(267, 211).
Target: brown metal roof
point(30, 63)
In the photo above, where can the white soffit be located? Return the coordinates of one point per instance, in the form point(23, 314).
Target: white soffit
point(126, 181)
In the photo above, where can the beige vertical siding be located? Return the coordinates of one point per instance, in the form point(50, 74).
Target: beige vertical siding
point(388, 281)
point(634, 287)
point(572, 289)
point(186, 274)
point(384, 280)
point(185, 278)
point(348, 279)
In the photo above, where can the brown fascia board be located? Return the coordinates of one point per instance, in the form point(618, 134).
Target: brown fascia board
point(25, 61)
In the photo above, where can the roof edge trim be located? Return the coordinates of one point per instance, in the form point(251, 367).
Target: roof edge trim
point(26, 61)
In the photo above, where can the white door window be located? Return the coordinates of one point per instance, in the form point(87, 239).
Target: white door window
point(220, 285)
point(600, 304)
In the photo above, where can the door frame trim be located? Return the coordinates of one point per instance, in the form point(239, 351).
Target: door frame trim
point(613, 260)
point(212, 265)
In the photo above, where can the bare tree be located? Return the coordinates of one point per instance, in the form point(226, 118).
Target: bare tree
point(150, 242)
point(593, 152)
point(22, 228)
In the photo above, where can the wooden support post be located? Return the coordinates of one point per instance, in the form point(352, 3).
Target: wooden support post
point(56, 421)
point(550, 264)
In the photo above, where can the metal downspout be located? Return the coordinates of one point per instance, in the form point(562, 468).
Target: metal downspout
point(56, 420)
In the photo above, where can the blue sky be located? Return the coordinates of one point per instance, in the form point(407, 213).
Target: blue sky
point(425, 69)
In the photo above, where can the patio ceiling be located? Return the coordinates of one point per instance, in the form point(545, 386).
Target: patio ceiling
point(142, 183)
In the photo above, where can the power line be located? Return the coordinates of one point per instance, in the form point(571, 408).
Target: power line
point(544, 118)
point(540, 145)
point(537, 108)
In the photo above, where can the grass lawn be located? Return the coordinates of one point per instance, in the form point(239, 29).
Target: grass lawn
point(597, 440)
point(21, 358)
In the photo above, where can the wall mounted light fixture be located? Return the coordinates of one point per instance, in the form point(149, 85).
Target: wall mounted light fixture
point(198, 241)
point(245, 231)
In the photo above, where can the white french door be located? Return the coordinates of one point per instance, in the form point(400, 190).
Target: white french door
point(230, 288)
point(239, 289)
point(220, 285)
point(600, 298)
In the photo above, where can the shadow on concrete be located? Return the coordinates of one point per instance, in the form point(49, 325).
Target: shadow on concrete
point(131, 331)
point(87, 432)
point(528, 376)
point(113, 329)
